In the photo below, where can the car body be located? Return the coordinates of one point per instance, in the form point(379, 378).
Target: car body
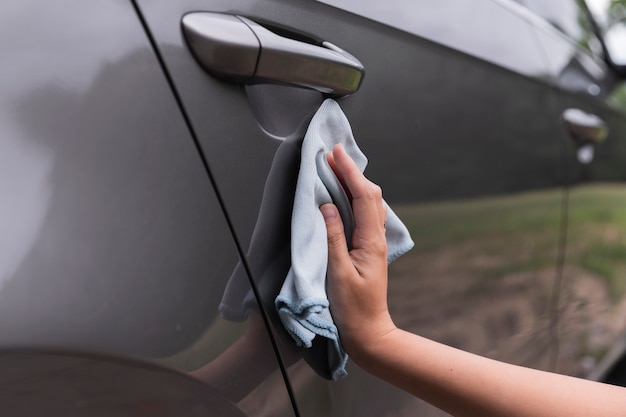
point(136, 186)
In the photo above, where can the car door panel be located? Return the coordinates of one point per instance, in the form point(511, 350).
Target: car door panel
point(592, 294)
point(475, 173)
point(115, 248)
point(96, 164)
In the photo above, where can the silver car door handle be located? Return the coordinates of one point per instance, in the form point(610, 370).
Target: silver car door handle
point(240, 50)
point(585, 128)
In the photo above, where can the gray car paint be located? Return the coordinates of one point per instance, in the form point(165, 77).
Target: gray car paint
point(438, 125)
point(113, 239)
point(116, 241)
point(582, 81)
point(105, 179)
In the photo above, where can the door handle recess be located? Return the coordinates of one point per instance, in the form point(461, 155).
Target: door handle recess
point(240, 50)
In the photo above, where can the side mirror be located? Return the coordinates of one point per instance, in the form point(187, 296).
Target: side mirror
point(615, 41)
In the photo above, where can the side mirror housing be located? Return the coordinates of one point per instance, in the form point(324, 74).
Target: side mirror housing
point(615, 42)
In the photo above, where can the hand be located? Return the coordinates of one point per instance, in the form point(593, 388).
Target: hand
point(357, 280)
point(458, 382)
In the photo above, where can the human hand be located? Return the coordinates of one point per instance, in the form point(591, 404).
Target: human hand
point(357, 279)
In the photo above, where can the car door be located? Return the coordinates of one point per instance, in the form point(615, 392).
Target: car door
point(594, 127)
point(453, 114)
point(115, 250)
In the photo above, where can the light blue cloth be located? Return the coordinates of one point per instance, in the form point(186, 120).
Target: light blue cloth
point(302, 303)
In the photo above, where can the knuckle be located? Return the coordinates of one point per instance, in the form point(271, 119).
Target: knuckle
point(379, 246)
point(336, 239)
point(375, 247)
point(373, 192)
point(381, 249)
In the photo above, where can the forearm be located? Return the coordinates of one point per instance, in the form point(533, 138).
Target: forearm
point(458, 382)
point(464, 384)
point(238, 370)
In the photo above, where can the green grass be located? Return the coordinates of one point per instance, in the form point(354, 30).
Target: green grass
point(521, 231)
point(597, 234)
point(438, 224)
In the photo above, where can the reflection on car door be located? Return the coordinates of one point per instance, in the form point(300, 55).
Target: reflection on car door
point(453, 115)
point(593, 295)
point(114, 246)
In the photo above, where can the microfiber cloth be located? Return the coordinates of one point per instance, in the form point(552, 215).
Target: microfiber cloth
point(302, 303)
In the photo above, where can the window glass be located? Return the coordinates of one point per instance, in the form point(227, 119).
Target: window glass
point(610, 16)
point(568, 16)
point(493, 33)
point(607, 12)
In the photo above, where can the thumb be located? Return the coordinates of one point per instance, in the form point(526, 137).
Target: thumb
point(337, 246)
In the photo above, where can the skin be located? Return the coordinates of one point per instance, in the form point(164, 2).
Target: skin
point(458, 382)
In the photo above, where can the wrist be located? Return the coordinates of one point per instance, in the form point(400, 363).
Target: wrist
point(368, 341)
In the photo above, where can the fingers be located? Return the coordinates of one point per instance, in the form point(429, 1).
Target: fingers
point(357, 280)
point(338, 256)
point(331, 161)
point(367, 203)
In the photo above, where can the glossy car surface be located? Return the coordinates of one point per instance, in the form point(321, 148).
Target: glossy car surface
point(136, 186)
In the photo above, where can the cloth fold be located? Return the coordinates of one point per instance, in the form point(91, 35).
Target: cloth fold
point(302, 303)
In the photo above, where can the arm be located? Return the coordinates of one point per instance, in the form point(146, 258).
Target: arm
point(244, 365)
point(458, 382)
point(239, 369)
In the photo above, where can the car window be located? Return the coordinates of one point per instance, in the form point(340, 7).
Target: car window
point(493, 33)
point(562, 14)
point(567, 16)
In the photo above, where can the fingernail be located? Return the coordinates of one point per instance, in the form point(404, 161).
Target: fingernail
point(329, 212)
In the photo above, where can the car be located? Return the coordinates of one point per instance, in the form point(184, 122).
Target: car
point(149, 154)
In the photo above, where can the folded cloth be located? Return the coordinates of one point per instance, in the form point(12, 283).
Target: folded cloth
point(302, 303)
